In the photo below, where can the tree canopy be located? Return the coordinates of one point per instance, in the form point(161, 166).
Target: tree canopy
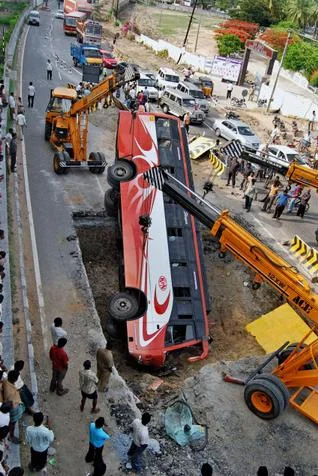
point(229, 44)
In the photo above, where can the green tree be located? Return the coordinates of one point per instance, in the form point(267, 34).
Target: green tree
point(229, 44)
point(302, 57)
point(299, 12)
point(258, 13)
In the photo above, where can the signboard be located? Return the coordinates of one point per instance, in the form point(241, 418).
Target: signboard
point(259, 48)
point(91, 73)
point(226, 68)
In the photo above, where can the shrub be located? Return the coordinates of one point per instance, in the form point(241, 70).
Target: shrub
point(241, 34)
point(276, 38)
point(314, 79)
point(163, 54)
point(302, 57)
point(229, 44)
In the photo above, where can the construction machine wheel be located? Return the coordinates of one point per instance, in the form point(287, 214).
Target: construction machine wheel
point(75, 62)
point(264, 398)
point(47, 131)
point(98, 156)
point(111, 202)
point(120, 171)
point(284, 354)
point(57, 159)
point(277, 381)
point(123, 307)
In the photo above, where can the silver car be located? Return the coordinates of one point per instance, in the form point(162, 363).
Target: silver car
point(177, 103)
point(236, 129)
point(197, 94)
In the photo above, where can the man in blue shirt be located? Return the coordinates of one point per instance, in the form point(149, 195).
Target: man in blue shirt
point(97, 439)
point(281, 202)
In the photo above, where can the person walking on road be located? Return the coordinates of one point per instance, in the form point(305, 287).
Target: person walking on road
point(21, 124)
point(304, 199)
point(270, 198)
point(249, 195)
point(105, 362)
point(97, 439)
point(13, 152)
point(59, 360)
point(12, 105)
point(186, 122)
point(49, 69)
point(31, 94)
point(229, 90)
point(88, 384)
point(39, 438)
point(57, 330)
point(139, 443)
point(281, 203)
point(233, 170)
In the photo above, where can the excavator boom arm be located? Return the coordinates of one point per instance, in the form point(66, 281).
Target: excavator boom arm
point(233, 237)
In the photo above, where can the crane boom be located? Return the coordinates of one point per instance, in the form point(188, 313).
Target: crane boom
point(233, 237)
point(103, 89)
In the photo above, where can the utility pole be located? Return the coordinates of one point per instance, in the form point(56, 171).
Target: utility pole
point(188, 30)
point(278, 72)
point(198, 32)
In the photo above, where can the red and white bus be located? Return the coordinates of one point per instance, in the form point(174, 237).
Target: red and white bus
point(163, 289)
point(70, 22)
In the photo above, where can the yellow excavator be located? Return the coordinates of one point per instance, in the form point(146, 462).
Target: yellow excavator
point(66, 122)
point(266, 395)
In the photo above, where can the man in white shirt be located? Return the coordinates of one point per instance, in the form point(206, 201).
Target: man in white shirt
point(39, 438)
point(12, 105)
point(49, 69)
point(21, 124)
point(229, 90)
point(31, 94)
point(57, 330)
point(88, 384)
point(139, 443)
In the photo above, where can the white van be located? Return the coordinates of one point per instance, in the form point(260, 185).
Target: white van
point(34, 18)
point(151, 84)
point(167, 78)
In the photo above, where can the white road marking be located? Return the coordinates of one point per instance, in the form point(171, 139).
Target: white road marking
point(35, 256)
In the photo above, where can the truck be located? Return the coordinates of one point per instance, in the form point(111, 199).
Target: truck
point(89, 32)
point(85, 54)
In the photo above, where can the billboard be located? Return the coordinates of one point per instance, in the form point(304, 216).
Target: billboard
point(226, 68)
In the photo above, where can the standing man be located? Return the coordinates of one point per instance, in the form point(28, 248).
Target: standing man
point(39, 438)
point(105, 362)
point(21, 124)
point(88, 384)
point(49, 69)
point(249, 195)
point(233, 170)
point(186, 122)
point(97, 439)
point(12, 105)
point(281, 203)
point(139, 443)
point(229, 90)
point(57, 330)
point(59, 360)
point(31, 94)
point(311, 122)
point(304, 199)
point(13, 152)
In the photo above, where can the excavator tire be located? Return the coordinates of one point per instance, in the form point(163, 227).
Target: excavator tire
point(98, 156)
point(264, 398)
point(273, 378)
point(111, 202)
point(56, 163)
point(123, 307)
point(47, 131)
point(120, 171)
point(284, 354)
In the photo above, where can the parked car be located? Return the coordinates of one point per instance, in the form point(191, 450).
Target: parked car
point(196, 93)
point(178, 103)
point(282, 153)
point(150, 75)
point(108, 60)
point(151, 85)
point(167, 78)
point(236, 129)
point(59, 14)
point(34, 18)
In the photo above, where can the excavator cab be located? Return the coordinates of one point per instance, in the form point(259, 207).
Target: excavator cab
point(61, 100)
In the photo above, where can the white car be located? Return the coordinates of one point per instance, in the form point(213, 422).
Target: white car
point(235, 129)
point(59, 14)
point(282, 153)
point(151, 85)
point(167, 78)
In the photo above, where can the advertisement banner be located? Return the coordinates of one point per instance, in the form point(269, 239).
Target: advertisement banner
point(226, 68)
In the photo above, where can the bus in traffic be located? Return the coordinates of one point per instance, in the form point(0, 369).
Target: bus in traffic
point(70, 22)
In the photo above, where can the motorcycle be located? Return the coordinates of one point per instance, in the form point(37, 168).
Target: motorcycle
point(231, 115)
point(238, 102)
point(261, 102)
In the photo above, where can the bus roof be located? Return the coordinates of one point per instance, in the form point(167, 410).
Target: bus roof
point(75, 14)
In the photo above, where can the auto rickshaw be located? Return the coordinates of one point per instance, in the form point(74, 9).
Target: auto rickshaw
point(206, 86)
